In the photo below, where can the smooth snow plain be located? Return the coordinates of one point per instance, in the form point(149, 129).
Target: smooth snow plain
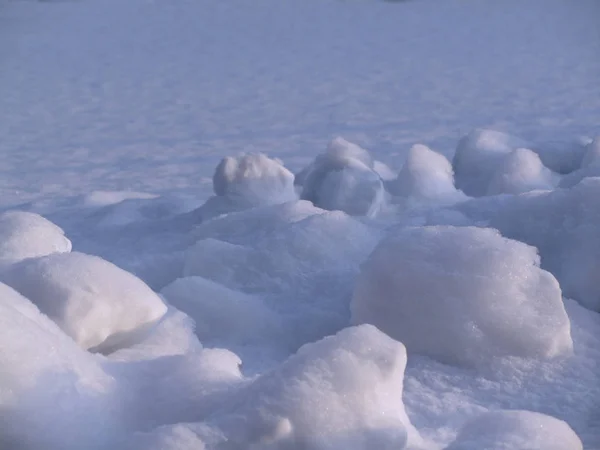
point(307, 225)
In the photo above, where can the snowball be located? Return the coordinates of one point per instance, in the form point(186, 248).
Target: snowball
point(344, 391)
point(99, 305)
point(53, 394)
point(562, 156)
point(516, 430)
point(220, 312)
point(343, 179)
point(477, 157)
point(590, 167)
point(561, 223)
point(521, 171)
point(28, 235)
point(427, 177)
point(462, 295)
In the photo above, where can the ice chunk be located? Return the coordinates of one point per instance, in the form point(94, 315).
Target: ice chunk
point(27, 235)
point(521, 171)
point(561, 223)
point(462, 295)
point(220, 312)
point(344, 391)
point(343, 179)
point(53, 395)
point(516, 430)
point(99, 305)
point(477, 157)
point(426, 177)
point(247, 181)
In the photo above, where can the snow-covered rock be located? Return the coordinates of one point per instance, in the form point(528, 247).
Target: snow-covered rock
point(478, 156)
point(521, 171)
point(561, 223)
point(344, 391)
point(516, 430)
point(247, 181)
point(426, 177)
point(219, 312)
point(99, 305)
point(463, 295)
point(343, 179)
point(28, 235)
point(53, 394)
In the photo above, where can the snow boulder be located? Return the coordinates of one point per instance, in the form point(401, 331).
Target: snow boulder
point(590, 166)
point(521, 171)
point(562, 156)
point(477, 157)
point(344, 179)
point(426, 177)
point(516, 430)
point(219, 312)
point(99, 305)
point(462, 295)
point(53, 394)
point(343, 392)
point(247, 181)
point(28, 235)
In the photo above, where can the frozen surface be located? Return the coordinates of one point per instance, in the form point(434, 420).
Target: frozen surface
point(99, 305)
point(463, 296)
point(516, 430)
point(114, 116)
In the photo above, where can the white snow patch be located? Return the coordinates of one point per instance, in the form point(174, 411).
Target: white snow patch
point(462, 295)
point(516, 430)
point(99, 305)
point(521, 171)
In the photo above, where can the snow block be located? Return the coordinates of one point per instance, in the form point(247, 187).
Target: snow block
point(462, 295)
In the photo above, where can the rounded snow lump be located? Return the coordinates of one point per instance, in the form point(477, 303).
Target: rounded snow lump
point(521, 171)
point(462, 295)
point(426, 176)
point(477, 157)
point(516, 430)
point(28, 235)
point(343, 179)
point(342, 392)
point(99, 305)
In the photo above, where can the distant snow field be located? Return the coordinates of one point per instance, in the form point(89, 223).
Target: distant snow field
point(309, 225)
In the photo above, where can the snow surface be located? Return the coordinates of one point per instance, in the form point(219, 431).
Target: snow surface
point(114, 117)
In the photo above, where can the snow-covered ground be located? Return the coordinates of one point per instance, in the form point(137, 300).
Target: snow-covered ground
point(412, 262)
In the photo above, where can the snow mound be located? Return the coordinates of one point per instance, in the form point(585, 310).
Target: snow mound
point(344, 391)
point(521, 171)
point(247, 181)
point(343, 179)
point(516, 430)
point(590, 166)
point(99, 305)
point(561, 223)
point(426, 177)
point(98, 199)
point(28, 235)
point(220, 312)
point(305, 267)
point(477, 157)
point(53, 394)
point(463, 295)
point(562, 156)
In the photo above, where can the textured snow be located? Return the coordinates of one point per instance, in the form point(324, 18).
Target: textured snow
point(462, 295)
point(116, 117)
point(99, 305)
point(516, 430)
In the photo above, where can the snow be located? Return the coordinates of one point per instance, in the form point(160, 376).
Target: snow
point(343, 179)
point(210, 296)
point(414, 287)
point(521, 171)
point(27, 235)
point(516, 430)
point(426, 177)
point(99, 305)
